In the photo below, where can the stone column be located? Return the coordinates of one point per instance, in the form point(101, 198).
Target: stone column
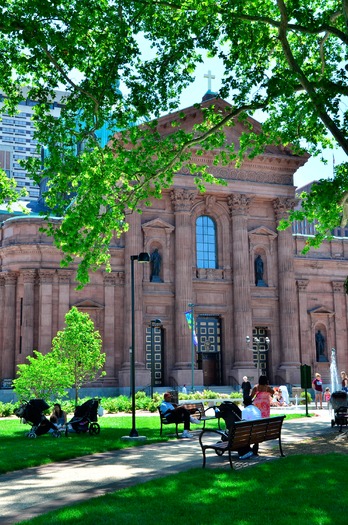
point(119, 322)
point(305, 345)
point(242, 314)
point(2, 302)
point(109, 323)
point(64, 277)
point(9, 337)
point(27, 329)
point(288, 309)
point(340, 323)
point(45, 310)
point(182, 200)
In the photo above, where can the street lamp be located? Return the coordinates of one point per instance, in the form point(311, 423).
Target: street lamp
point(258, 343)
point(143, 257)
point(153, 324)
point(192, 306)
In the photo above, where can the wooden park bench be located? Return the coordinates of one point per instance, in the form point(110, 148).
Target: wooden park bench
point(244, 434)
point(196, 410)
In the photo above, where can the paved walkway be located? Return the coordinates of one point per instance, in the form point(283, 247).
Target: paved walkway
point(30, 492)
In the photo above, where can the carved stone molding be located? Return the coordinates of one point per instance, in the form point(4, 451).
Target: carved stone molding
point(109, 279)
point(337, 286)
point(262, 236)
point(156, 230)
point(182, 199)
point(10, 278)
point(46, 276)
point(238, 204)
point(29, 276)
point(64, 276)
point(282, 206)
point(210, 202)
point(302, 284)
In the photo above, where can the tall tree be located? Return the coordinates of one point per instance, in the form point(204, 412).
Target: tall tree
point(78, 348)
point(286, 57)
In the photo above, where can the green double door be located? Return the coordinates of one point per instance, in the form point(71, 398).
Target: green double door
point(208, 330)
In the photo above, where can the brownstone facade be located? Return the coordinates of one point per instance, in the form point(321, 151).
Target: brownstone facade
point(297, 296)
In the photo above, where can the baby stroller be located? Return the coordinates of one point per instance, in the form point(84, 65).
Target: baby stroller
point(32, 412)
point(339, 405)
point(85, 418)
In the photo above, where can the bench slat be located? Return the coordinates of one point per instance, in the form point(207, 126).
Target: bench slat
point(244, 434)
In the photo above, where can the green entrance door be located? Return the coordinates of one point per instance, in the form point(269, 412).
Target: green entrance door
point(209, 349)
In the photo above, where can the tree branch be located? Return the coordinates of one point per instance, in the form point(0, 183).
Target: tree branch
point(307, 85)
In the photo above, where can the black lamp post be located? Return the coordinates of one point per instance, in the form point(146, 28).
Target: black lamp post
point(155, 323)
point(141, 258)
point(192, 306)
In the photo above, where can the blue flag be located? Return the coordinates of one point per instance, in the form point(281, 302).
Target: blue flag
point(190, 321)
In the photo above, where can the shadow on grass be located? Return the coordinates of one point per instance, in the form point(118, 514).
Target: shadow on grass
point(47, 449)
point(298, 490)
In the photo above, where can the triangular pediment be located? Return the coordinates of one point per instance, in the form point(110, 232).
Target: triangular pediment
point(263, 231)
point(156, 224)
point(88, 303)
point(323, 310)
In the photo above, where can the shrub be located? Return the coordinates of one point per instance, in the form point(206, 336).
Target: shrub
point(303, 398)
point(6, 409)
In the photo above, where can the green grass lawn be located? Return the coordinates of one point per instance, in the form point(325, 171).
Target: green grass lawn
point(47, 449)
point(298, 490)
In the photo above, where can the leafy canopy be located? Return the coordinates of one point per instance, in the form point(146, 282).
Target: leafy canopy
point(43, 377)
point(287, 58)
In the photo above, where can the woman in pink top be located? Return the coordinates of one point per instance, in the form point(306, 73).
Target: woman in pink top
point(262, 396)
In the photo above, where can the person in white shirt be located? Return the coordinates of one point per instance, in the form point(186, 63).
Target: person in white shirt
point(250, 412)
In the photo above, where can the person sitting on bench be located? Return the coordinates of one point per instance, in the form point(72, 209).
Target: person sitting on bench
point(249, 412)
point(177, 414)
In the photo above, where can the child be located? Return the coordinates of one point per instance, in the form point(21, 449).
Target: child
point(327, 396)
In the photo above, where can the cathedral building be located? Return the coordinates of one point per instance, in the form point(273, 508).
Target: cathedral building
point(259, 305)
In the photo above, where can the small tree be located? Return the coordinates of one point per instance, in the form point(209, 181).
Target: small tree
point(44, 377)
point(78, 347)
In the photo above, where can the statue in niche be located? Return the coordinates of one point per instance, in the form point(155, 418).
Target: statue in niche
point(259, 272)
point(320, 346)
point(155, 266)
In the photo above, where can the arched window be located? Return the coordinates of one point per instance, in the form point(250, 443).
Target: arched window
point(206, 242)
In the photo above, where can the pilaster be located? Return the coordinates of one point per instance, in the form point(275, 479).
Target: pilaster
point(288, 308)
point(45, 310)
point(239, 210)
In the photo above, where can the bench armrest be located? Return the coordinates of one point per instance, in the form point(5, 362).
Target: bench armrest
point(212, 410)
point(210, 431)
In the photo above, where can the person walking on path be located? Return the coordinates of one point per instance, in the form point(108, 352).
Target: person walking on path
point(344, 379)
point(318, 390)
point(246, 389)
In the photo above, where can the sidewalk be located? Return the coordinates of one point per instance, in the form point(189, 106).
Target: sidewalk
point(30, 492)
